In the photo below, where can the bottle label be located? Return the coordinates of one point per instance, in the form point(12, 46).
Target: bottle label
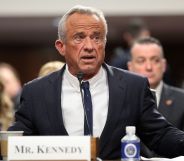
point(130, 150)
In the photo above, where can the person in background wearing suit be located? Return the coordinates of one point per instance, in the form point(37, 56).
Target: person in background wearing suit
point(119, 98)
point(135, 29)
point(147, 59)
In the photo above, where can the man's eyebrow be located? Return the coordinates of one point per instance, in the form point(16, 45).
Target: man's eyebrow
point(156, 57)
point(140, 57)
point(97, 33)
point(79, 33)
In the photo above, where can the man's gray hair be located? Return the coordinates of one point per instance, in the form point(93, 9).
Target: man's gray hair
point(82, 10)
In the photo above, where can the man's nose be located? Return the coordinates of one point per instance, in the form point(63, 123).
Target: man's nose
point(148, 65)
point(88, 44)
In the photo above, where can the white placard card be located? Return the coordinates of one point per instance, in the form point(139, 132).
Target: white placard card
point(49, 148)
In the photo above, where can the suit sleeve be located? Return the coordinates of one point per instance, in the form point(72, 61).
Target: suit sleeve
point(24, 116)
point(155, 131)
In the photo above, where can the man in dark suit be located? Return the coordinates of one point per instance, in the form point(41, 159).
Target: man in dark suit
point(147, 59)
point(52, 105)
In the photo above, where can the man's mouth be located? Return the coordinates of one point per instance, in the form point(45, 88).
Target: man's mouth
point(149, 76)
point(88, 58)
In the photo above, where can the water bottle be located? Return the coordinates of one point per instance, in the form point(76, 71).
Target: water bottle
point(130, 145)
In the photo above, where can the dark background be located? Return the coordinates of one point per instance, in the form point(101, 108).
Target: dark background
point(28, 42)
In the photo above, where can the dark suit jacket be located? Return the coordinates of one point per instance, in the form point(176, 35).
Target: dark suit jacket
point(130, 103)
point(172, 105)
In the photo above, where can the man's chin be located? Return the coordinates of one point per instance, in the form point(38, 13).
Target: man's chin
point(152, 84)
point(88, 73)
point(88, 69)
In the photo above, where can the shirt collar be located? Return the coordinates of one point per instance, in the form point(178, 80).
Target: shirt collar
point(73, 81)
point(158, 90)
point(94, 81)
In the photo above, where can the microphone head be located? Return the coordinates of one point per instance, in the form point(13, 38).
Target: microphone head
point(80, 76)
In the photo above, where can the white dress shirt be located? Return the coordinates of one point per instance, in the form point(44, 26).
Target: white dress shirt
point(71, 103)
point(158, 91)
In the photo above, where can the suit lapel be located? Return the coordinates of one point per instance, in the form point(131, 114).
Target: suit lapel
point(166, 100)
point(116, 99)
point(53, 103)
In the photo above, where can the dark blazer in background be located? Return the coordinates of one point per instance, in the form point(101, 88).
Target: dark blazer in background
point(172, 105)
point(130, 103)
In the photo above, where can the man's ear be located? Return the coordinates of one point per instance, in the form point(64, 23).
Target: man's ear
point(60, 47)
point(164, 64)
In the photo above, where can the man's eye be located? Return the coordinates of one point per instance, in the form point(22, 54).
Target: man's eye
point(97, 38)
point(140, 61)
point(78, 38)
point(156, 60)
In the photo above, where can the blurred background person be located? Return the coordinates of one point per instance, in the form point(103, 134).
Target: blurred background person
point(136, 28)
point(147, 59)
point(50, 67)
point(11, 82)
point(6, 108)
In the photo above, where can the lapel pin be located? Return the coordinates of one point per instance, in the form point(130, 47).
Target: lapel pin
point(168, 102)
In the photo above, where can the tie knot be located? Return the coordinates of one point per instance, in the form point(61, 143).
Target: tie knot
point(85, 85)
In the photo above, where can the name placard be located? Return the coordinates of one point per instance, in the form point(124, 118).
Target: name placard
point(49, 148)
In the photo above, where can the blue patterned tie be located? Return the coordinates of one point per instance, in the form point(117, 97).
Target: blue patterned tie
point(88, 119)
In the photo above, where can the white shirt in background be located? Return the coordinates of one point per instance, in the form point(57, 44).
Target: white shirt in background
point(158, 90)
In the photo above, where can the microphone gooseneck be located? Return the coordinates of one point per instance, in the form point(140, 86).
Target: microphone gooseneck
point(80, 76)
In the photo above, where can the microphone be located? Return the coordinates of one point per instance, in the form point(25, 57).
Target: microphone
point(80, 76)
